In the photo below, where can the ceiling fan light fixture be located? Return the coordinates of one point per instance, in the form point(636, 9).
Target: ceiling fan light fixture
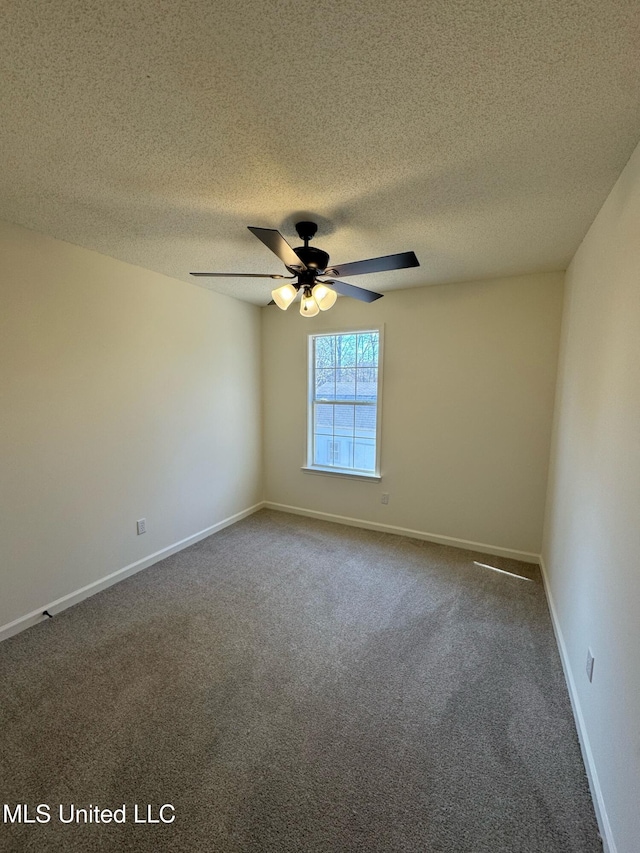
point(308, 305)
point(284, 296)
point(324, 296)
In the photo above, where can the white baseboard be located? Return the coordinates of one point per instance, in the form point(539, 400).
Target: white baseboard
point(604, 825)
point(482, 547)
point(72, 598)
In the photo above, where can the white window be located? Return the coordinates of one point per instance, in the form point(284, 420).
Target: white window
point(345, 378)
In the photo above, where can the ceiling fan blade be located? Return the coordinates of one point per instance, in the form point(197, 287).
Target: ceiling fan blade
point(275, 241)
point(401, 261)
point(240, 275)
point(353, 291)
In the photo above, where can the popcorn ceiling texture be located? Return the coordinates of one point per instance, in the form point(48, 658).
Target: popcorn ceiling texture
point(483, 134)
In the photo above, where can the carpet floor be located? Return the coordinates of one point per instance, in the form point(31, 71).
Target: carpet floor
point(295, 685)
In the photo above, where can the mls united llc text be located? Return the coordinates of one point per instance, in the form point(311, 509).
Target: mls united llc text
point(44, 813)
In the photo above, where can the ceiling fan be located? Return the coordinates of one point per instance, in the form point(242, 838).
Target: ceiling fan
point(307, 263)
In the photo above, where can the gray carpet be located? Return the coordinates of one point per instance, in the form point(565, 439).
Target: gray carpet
point(295, 685)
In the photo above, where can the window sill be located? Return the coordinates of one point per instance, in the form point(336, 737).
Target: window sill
point(342, 472)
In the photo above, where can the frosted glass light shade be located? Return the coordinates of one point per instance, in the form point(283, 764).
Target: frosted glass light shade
point(284, 296)
point(308, 305)
point(324, 296)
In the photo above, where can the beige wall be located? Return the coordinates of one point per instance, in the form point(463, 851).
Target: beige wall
point(592, 531)
point(469, 378)
point(125, 394)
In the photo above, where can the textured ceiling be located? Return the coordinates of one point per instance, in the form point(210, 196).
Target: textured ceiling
point(484, 135)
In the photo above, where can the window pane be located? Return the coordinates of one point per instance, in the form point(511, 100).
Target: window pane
point(344, 420)
point(325, 384)
point(323, 450)
point(365, 426)
point(367, 384)
point(323, 419)
point(365, 454)
point(345, 350)
point(367, 349)
point(325, 351)
point(346, 384)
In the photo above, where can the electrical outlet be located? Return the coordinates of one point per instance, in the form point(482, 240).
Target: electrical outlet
point(385, 498)
point(142, 526)
point(589, 667)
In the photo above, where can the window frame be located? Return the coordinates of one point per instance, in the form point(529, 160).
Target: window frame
point(331, 471)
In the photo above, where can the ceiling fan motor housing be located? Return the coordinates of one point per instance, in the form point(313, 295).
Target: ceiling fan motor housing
point(312, 258)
